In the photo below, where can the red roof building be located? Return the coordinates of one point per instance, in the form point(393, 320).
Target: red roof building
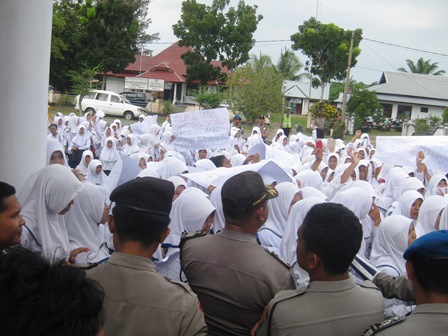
point(167, 68)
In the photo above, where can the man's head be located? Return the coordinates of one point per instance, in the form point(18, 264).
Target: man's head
point(261, 120)
point(53, 128)
point(142, 210)
point(288, 111)
point(11, 221)
point(339, 117)
point(427, 264)
point(328, 239)
point(237, 119)
point(39, 298)
point(221, 161)
point(243, 195)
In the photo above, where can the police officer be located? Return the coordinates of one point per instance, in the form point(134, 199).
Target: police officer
point(333, 304)
point(263, 127)
point(286, 121)
point(427, 268)
point(139, 300)
point(232, 274)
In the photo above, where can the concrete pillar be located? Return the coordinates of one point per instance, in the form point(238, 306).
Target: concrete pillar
point(175, 93)
point(25, 35)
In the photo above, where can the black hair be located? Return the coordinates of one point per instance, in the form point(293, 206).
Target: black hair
point(334, 233)
point(431, 274)
point(140, 226)
point(42, 299)
point(6, 190)
point(241, 218)
point(218, 160)
point(52, 125)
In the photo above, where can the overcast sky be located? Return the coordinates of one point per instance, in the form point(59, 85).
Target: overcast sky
point(410, 23)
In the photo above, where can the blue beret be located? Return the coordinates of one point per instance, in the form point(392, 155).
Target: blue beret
point(431, 245)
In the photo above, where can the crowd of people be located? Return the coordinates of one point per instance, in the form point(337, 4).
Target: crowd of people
point(252, 238)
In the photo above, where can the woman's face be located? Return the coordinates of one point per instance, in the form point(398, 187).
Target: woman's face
point(442, 184)
point(323, 173)
point(57, 158)
point(361, 155)
point(285, 141)
point(208, 223)
point(202, 154)
point(108, 132)
point(87, 160)
point(332, 162)
point(297, 197)
point(142, 163)
point(412, 236)
point(67, 208)
point(81, 131)
point(178, 191)
point(415, 208)
point(98, 169)
point(109, 144)
point(129, 141)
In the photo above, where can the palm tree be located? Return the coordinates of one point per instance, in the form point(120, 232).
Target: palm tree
point(261, 62)
point(289, 65)
point(423, 67)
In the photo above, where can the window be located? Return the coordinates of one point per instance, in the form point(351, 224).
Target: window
point(114, 99)
point(101, 96)
point(404, 111)
point(90, 95)
point(387, 110)
point(424, 109)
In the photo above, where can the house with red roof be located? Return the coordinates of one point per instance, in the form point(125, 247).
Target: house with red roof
point(162, 76)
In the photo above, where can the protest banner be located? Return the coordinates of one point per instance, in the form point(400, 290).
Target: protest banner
point(402, 151)
point(201, 129)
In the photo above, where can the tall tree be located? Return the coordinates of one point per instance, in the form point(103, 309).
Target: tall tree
point(363, 103)
point(254, 91)
point(97, 31)
point(289, 65)
point(215, 34)
point(327, 47)
point(260, 62)
point(423, 67)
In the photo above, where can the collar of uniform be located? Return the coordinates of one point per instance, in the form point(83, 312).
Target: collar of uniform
point(130, 261)
point(331, 286)
point(240, 236)
point(431, 308)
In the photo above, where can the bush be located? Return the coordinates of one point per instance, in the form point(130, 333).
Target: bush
point(329, 112)
point(421, 126)
point(167, 107)
point(445, 116)
point(208, 99)
point(64, 100)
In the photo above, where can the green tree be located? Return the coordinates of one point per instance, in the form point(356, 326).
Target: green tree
point(253, 91)
point(361, 104)
point(423, 67)
point(329, 112)
point(327, 47)
point(208, 99)
point(90, 32)
point(215, 34)
point(81, 81)
point(289, 65)
point(338, 87)
point(445, 116)
point(260, 62)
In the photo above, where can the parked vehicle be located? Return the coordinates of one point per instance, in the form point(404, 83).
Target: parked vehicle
point(136, 98)
point(367, 124)
point(111, 103)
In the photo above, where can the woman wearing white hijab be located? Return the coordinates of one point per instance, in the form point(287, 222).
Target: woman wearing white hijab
point(289, 240)
point(437, 185)
point(430, 214)
point(131, 145)
point(83, 166)
point(55, 153)
point(167, 141)
point(192, 211)
point(109, 155)
point(237, 160)
point(83, 220)
point(95, 173)
point(215, 198)
point(409, 204)
point(80, 143)
point(394, 178)
point(179, 185)
point(271, 233)
point(309, 178)
point(254, 138)
point(394, 236)
point(49, 193)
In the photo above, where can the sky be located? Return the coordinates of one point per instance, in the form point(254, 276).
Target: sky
point(412, 24)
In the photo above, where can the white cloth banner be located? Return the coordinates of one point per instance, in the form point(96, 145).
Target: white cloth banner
point(204, 129)
point(402, 150)
point(268, 169)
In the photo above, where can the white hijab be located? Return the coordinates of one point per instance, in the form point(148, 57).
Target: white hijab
point(110, 154)
point(48, 192)
point(215, 198)
point(133, 147)
point(404, 204)
point(390, 243)
point(189, 212)
point(431, 188)
point(429, 211)
point(83, 167)
point(92, 176)
point(83, 222)
point(53, 146)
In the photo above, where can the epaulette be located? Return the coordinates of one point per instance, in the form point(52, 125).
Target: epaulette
point(272, 253)
point(377, 327)
point(190, 235)
point(368, 284)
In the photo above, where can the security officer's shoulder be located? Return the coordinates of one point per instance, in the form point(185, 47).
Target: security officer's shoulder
point(378, 327)
point(187, 236)
point(369, 285)
point(277, 258)
point(180, 285)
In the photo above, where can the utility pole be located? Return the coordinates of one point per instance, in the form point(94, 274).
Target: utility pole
point(347, 79)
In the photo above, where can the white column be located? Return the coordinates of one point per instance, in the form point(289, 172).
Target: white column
point(25, 35)
point(175, 93)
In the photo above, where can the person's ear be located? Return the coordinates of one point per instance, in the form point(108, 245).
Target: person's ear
point(260, 213)
point(313, 260)
point(410, 270)
point(111, 224)
point(164, 234)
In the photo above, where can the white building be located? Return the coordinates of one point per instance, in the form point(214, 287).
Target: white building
point(300, 94)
